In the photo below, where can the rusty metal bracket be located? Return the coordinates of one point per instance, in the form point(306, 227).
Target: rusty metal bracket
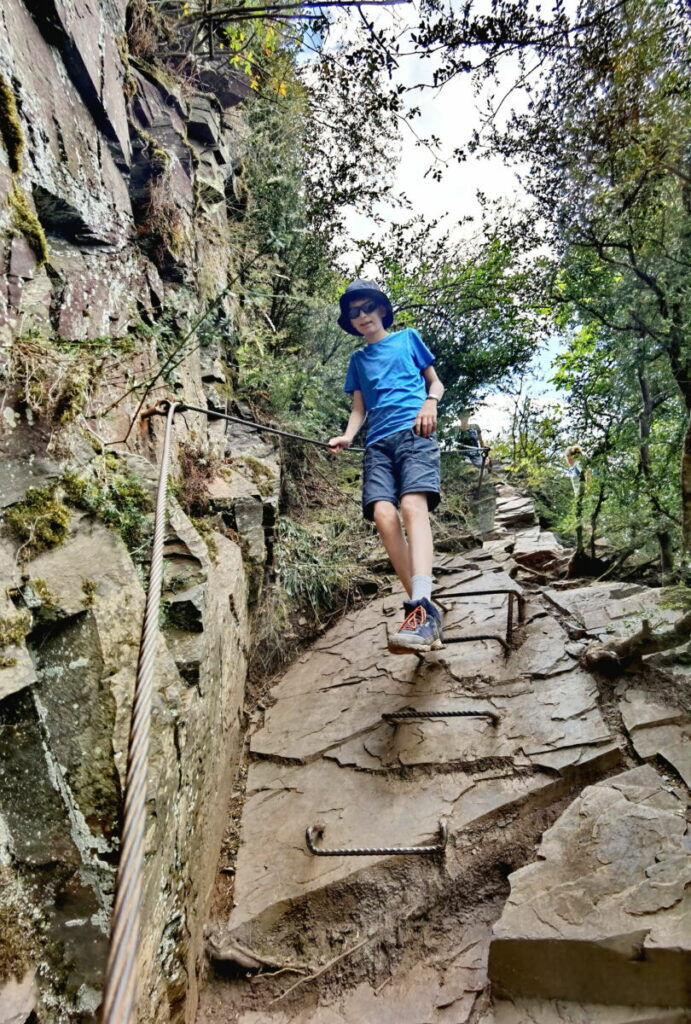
point(315, 832)
point(412, 713)
point(512, 594)
point(478, 636)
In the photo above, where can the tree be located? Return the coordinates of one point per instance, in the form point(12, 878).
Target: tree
point(472, 301)
point(625, 415)
point(607, 136)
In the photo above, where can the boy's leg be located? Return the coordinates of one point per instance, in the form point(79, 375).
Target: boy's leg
point(418, 530)
point(421, 629)
point(388, 524)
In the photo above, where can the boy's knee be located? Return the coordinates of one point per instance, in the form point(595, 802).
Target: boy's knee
point(384, 513)
point(414, 504)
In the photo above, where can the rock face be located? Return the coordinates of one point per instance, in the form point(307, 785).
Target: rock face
point(601, 916)
point(116, 195)
point(127, 180)
point(63, 744)
point(327, 723)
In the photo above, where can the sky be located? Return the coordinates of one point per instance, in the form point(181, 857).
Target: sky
point(451, 113)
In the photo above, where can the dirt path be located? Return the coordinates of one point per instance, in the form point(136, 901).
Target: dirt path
point(547, 776)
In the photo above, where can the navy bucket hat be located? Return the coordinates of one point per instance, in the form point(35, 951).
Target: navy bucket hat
point(362, 290)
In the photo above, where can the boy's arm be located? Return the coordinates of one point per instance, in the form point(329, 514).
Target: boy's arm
point(426, 420)
point(355, 421)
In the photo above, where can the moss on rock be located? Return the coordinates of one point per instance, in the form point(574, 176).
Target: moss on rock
point(14, 960)
point(42, 593)
point(10, 126)
point(118, 499)
point(13, 628)
point(207, 533)
point(41, 521)
point(25, 222)
point(260, 474)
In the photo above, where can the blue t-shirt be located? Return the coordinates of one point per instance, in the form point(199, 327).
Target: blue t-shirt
point(389, 375)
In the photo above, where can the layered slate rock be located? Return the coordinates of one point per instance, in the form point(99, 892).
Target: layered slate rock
point(604, 609)
point(513, 508)
point(544, 1011)
point(659, 728)
point(516, 540)
point(63, 749)
point(326, 757)
point(602, 916)
point(596, 919)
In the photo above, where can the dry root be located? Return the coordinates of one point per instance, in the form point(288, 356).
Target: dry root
point(617, 654)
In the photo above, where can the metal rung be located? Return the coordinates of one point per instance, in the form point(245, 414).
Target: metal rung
point(403, 716)
point(512, 595)
point(478, 636)
point(315, 832)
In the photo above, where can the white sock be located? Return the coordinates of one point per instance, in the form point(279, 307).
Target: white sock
point(422, 587)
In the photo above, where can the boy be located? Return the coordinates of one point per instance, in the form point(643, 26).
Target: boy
point(393, 383)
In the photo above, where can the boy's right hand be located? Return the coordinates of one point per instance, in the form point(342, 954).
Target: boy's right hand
point(338, 444)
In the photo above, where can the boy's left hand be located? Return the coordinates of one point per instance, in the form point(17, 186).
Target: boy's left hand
point(426, 420)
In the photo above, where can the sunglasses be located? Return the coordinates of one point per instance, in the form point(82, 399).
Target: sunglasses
point(368, 306)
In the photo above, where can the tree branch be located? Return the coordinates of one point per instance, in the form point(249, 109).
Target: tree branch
point(617, 654)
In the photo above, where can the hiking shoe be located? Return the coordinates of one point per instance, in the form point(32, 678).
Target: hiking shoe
point(419, 631)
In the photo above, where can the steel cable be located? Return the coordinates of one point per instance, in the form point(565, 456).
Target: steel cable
point(120, 983)
point(217, 414)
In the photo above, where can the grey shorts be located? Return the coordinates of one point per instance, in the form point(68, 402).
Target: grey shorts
point(402, 463)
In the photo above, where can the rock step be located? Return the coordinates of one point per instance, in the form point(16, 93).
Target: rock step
point(602, 916)
point(591, 927)
point(325, 757)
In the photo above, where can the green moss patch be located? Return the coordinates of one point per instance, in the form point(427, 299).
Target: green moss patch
point(257, 471)
point(17, 939)
point(14, 960)
point(13, 628)
point(56, 379)
point(207, 534)
point(116, 498)
point(25, 222)
point(10, 126)
point(41, 521)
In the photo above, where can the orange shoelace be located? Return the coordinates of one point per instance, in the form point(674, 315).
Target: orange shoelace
point(418, 617)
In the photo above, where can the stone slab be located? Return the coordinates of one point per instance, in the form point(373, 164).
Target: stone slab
point(356, 809)
point(90, 565)
point(17, 475)
point(603, 916)
point(18, 671)
point(672, 742)
point(18, 998)
point(543, 1011)
point(337, 692)
point(641, 708)
point(559, 714)
point(613, 607)
point(658, 728)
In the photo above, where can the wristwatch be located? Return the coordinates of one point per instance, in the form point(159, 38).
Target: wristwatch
point(435, 398)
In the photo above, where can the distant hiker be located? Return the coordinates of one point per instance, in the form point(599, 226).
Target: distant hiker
point(393, 383)
point(470, 436)
point(574, 457)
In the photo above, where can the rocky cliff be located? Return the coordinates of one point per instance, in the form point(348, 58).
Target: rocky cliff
point(118, 200)
point(562, 894)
